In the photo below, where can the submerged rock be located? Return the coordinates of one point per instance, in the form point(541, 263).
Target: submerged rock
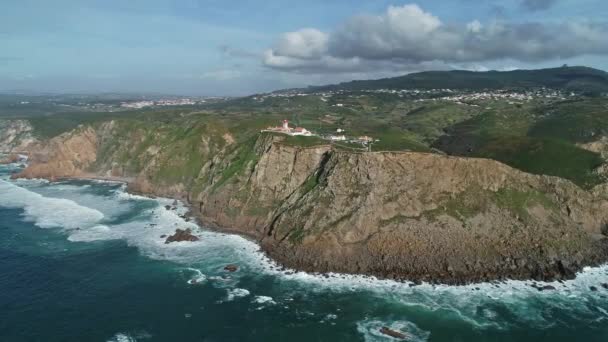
point(182, 235)
point(393, 333)
point(231, 268)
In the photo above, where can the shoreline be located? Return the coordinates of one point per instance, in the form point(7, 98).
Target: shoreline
point(194, 214)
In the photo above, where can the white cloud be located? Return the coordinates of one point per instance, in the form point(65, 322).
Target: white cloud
point(406, 36)
point(305, 44)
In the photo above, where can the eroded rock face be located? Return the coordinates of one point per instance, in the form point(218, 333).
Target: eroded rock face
point(407, 215)
point(67, 155)
point(410, 216)
point(15, 136)
point(11, 158)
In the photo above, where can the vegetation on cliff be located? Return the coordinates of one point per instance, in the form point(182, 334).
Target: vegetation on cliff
point(414, 205)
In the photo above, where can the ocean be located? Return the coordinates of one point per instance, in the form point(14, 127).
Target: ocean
point(85, 261)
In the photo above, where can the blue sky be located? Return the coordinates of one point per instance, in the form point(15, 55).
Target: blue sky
point(213, 47)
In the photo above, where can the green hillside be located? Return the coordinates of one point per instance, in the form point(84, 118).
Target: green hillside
point(567, 78)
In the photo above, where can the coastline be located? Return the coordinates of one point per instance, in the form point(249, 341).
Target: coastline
point(474, 305)
point(278, 255)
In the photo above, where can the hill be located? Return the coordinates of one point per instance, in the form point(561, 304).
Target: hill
point(567, 78)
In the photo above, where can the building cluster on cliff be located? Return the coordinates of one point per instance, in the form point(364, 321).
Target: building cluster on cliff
point(285, 129)
point(339, 136)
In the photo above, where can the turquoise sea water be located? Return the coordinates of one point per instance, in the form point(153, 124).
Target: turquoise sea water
point(84, 261)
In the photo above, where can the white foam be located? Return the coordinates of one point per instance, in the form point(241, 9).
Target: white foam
point(198, 277)
point(263, 300)
point(236, 293)
point(370, 329)
point(208, 256)
point(48, 212)
point(121, 337)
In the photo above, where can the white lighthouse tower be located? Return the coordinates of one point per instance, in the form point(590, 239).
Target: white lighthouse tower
point(286, 125)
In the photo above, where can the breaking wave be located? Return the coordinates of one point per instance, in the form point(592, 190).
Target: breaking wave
point(106, 211)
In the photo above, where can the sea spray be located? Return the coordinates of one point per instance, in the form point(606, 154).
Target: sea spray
point(90, 214)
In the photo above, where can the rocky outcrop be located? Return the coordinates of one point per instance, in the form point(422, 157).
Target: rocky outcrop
point(411, 216)
point(182, 235)
point(601, 147)
point(231, 268)
point(11, 158)
point(393, 333)
point(15, 136)
point(67, 155)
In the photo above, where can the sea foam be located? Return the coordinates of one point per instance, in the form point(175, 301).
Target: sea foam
point(479, 305)
point(48, 212)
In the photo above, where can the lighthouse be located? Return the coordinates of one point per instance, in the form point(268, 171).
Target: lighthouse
point(286, 125)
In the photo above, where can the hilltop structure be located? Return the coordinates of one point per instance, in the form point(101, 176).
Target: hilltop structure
point(285, 129)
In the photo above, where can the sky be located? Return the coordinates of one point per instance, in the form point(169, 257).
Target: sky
point(240, 47)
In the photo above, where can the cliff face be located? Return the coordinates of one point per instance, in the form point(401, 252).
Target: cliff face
point(15, 136)
point(410, 215)
point(397, 215)
point(68, 155)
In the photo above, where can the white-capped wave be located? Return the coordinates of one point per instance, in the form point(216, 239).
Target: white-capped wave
point(371, 331)
point(236, 293)
point(121, 337)
point(197, 276)
point(479, 305)
point(264, 300)
point(48, 212)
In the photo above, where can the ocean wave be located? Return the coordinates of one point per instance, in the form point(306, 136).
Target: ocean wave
point(370, 329)
point(263, 300)
point(236, 293)
point(130, 337)
point(197, 278)
point(48, 212)
point(121, 337)
point(480, 306)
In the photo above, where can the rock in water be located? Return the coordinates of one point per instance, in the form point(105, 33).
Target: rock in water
point(13, 158)
point(181, 235)
point(231, 268)
point(393, 333)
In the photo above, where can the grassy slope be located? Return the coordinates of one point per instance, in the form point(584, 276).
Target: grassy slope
point(529, 139)
point(538, 137)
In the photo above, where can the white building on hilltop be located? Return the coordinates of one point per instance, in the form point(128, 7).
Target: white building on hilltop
point(298, 131)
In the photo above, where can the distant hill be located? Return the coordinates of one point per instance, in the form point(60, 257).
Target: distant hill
point(567, 78)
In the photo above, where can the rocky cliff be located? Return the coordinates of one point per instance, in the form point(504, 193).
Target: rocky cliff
point(398, 215)
point(15, 136)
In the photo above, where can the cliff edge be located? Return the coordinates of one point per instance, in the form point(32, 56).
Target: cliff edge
point(411, 216)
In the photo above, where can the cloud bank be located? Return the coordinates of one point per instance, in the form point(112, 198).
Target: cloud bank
point(407, 37)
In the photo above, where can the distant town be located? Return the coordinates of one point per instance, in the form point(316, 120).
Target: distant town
point(458, 96)
point(162, 103)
